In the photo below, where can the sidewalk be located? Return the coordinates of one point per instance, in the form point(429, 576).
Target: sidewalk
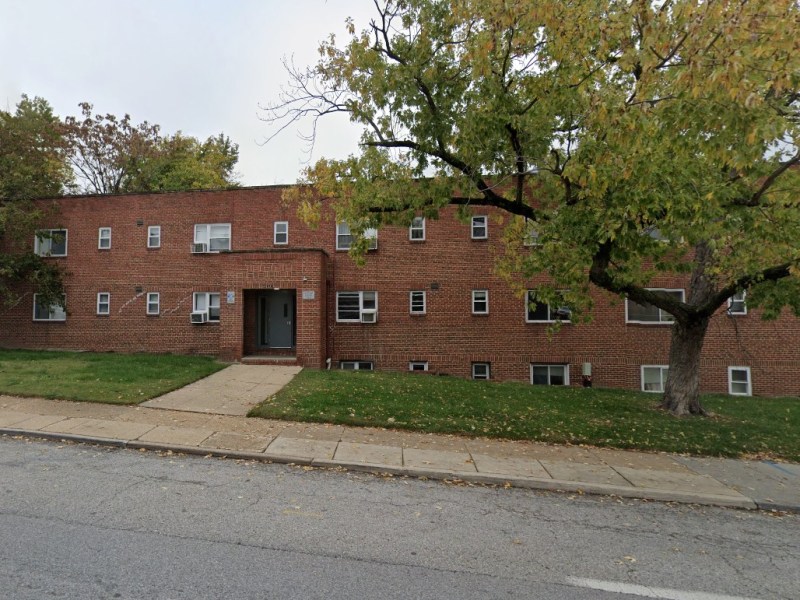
point(721, 482)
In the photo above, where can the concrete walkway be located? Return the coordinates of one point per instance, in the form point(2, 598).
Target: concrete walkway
point(199, 428)
point(232, 391)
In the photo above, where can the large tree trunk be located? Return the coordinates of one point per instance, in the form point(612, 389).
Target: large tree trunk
point(682, 392)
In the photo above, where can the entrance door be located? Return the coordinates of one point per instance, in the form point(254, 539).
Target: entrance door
point(276, 316)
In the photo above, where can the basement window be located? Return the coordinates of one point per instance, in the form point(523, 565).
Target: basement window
point(418, 365)
point(355, 365)
point(550, 374)
point(739, 383)
point(654, 378)
point(481, 370)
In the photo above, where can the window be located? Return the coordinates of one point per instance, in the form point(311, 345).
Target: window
point(344, 239)
point(154, 236)
point(104, 238)
point(737, 304)
point(216, 237)
point(418, 365)
point(480, 302)
point(281, 233)
point(50, 242)
point(539, 312)
point(654, 378)
point(416, 233)
point(417, 302)
point(154, 303)
point(550, 374)
point(739, 381)
point(103, 303)
point(357, 307)
point(43, 312)
point(480, 370)
point(531, 234)
point(355, 365)
point(207, 302)
point(647, 313)
point(480, 227)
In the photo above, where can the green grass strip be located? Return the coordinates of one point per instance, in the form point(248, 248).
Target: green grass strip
point(95, 377)
point(740, 426)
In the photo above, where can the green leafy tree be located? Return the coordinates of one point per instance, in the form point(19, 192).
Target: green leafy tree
point(635, 140)
point(184, 163)
point(33, 163)
point(112, 155)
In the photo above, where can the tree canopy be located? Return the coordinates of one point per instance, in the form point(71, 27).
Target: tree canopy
point(44, 156)
point(33, 163)
point(111, 155)
point(635, 140)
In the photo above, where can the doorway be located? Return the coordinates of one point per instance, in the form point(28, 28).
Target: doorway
point(276, 319)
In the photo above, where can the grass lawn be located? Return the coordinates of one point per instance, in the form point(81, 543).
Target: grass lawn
point(109, 378)
point(741, 426)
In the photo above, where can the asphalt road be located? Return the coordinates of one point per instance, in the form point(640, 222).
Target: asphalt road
point(83, 522)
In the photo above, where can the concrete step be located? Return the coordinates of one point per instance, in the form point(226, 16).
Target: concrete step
point(269, 360)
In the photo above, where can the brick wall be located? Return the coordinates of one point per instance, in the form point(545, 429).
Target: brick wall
point(448, 266)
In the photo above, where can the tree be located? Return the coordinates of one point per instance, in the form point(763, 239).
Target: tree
point(636, 140)
point(112, 155)
point(33, 164)
point(184, 163)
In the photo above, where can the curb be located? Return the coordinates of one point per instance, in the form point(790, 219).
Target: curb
point(532, 483)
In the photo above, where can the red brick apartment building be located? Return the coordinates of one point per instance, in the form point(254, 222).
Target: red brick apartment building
point(236, 274)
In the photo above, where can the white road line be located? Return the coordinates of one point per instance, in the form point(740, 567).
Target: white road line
point(646, 591)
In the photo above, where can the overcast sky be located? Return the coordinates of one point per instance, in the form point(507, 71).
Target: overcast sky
point(198, 66)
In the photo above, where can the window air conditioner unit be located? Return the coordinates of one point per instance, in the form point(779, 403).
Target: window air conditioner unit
point(563, 313)
point(198, 318)
point(369, 316)
point(199, 248)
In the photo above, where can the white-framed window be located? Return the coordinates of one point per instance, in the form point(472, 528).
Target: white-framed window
point(281, 230)
point(344, 239)
point(104, 238)
point(739, 382)
point(481, 370)
point(103, 303)
point(647, 313)
point(416, 301)
point(45, 312)
point(480, 227)
point(550, 374)
point(480, 302)
point(357, 307)
point(207, 302)
point(154, 236)
point(418, 365)
point(654, 378)
point(212, 237)
point(356, 365)
point(50, 242)
point(531, 234)
point(416, 232)
point(153, 303)
point(737, 304)
point(541, 312)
